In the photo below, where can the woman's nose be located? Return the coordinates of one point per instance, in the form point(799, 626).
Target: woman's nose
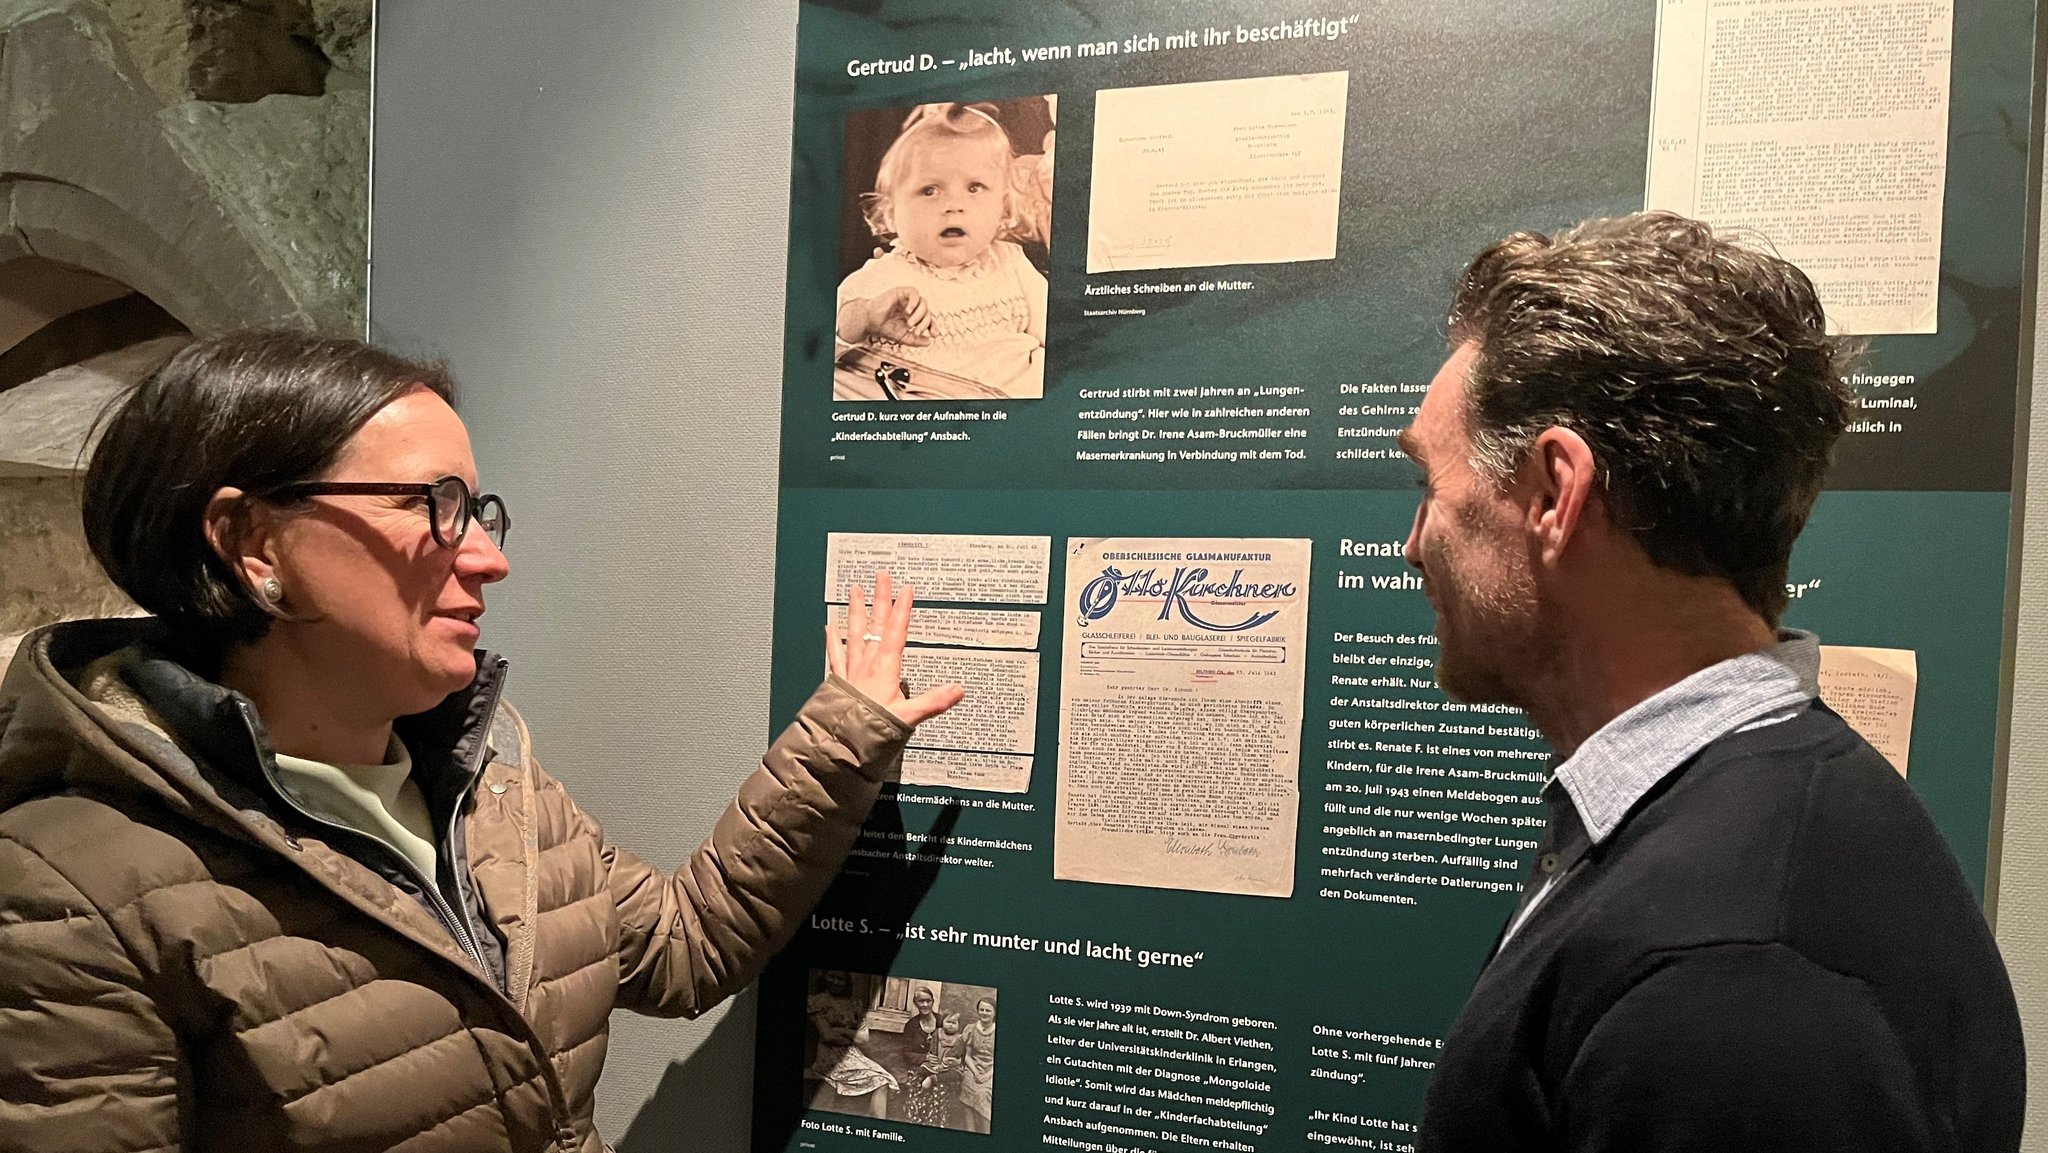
point(481, 556)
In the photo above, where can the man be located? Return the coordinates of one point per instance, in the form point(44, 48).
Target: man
point(1742, 930)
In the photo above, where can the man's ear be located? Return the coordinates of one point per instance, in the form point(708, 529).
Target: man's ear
point(242, 533)
point(1561, 479)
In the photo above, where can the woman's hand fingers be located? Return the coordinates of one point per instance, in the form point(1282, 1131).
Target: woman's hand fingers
point(835, 652)
point(873, 654)
point(927, 704)
point(856, 621)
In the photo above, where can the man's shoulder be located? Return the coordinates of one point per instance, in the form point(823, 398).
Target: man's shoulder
point(1797, 835)
point(1759, 787)
point(1790, 797)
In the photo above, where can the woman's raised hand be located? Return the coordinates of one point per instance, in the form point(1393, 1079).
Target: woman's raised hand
point(869, 654)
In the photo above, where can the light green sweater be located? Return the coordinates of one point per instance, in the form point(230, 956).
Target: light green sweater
point(381, 800)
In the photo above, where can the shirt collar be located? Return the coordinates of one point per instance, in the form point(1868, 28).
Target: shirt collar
point(1626, 758)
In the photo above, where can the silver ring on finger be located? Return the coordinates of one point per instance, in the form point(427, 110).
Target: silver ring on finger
point(871, 638)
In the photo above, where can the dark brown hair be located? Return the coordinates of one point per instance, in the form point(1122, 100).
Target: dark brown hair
point(251, 410)
point(1700, 372)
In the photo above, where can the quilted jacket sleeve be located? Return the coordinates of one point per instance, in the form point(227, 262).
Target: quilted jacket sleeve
point(86, 1062)
point(691, 940)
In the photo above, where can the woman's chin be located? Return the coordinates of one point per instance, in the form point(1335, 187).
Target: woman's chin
point(458, 672)
point(450, 672)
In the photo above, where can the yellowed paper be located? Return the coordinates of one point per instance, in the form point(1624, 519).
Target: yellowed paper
point(999, 716)
point(959, 769)
point(975, 569)
point(1873, 689)
point(1822, 125)
point(1219, 172)
point(979, 628)
point(1000, 712)
point(1180, 713)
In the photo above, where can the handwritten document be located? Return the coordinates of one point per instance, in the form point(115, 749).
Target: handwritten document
point(1873, 689)
point(975, 569)
point(1180, 713)
point(1820, 125)
point(1219, 172)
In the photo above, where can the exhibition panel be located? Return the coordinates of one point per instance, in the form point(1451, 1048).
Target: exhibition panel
point(1102, 324)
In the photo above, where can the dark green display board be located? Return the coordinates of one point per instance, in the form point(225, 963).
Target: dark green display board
point(1154, 1018)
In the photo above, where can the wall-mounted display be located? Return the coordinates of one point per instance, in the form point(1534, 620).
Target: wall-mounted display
point(1124, 305)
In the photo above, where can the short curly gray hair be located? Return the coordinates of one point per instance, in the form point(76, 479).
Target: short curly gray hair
point(1699, 371)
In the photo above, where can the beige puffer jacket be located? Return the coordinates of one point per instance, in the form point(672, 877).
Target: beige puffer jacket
point(186, 962)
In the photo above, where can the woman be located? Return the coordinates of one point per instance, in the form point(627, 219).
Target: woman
point(848, 1080)
point(978, 1067)
point(921, 1063)
point(278, 869)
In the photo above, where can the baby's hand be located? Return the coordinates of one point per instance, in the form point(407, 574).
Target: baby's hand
point(899, 316)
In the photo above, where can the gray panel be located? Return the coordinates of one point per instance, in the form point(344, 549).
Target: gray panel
point(582, 209)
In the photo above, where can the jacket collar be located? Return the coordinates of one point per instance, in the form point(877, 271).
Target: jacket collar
point(1620, 764)
point(219, 728)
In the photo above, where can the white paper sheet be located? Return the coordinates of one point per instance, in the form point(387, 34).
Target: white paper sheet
point(1821, 125)
point(940, 567)
point(1180, 713)
point(1219, 172)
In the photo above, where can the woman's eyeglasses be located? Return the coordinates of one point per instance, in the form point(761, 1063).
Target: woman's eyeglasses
point(451, 507)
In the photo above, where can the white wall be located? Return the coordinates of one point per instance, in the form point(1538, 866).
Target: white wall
point(583, 209)
point(2023, 874)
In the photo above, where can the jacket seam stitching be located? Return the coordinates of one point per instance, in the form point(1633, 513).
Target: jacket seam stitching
point(1784, 894)
point(558, 978)
point(285, 1099)
point(127, 950)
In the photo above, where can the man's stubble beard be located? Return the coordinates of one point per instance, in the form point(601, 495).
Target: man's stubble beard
point(1491, 640)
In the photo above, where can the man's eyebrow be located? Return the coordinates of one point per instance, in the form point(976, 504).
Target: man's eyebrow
point(1409, 446)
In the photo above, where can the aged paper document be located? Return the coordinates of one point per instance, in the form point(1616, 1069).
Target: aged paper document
point(1219, 172)
point(960, 769)
point(985, 741)
point(1180, 713)
point(1873, 689)
point(1822, 125)
point(979, 628)
point(976, 569)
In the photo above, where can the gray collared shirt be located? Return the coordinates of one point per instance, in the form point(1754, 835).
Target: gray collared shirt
point(1626, 758)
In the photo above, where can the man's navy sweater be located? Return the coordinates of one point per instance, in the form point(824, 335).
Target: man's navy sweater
point(1775, 950)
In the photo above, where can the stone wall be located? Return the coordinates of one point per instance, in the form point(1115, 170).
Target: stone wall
point(207, 159)
point(50, 574)
point(214, 156)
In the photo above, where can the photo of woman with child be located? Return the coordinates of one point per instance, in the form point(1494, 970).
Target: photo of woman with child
point(930, 1061)
point(948, 236)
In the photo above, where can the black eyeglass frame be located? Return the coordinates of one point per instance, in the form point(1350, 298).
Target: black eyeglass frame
point(473, 508)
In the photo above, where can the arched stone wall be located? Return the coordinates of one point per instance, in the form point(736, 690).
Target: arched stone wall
point(208, 161)
point(226, 212)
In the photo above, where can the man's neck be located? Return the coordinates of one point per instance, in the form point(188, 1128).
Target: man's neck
point(1610, 662)
point(302, 710)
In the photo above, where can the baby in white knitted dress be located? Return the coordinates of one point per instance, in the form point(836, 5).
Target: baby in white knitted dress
point(949, 292)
